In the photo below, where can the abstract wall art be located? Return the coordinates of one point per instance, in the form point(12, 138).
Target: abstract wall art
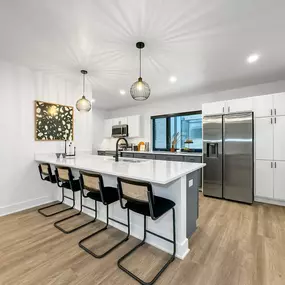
point(53, 122)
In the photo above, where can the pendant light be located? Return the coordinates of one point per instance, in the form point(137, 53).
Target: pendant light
point(83, 104)
point(140, 90)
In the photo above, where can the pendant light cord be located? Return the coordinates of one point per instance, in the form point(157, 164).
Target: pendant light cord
point(140, 63)
point(83, 84)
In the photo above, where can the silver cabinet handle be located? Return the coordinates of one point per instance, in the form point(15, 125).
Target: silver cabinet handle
point(223, 109)
point(271, 121)
point(275, 111)
point(275, 164)
point(271, 112)
point(229, 109)
point(271, 164)
point(275, 120)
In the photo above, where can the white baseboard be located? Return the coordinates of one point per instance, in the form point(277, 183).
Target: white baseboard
point(10, 209)
point(269, 201)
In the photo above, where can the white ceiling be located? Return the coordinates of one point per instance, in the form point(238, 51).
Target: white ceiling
point(202, 42)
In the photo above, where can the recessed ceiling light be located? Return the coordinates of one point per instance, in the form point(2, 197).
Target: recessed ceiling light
point(172, 79)
point(122, 92)
point(253, 58)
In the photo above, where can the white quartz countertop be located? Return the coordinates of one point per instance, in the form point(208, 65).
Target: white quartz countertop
point(167, 153)
point(155, 171)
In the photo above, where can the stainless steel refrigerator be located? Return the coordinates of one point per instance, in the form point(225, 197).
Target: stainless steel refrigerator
point(228, 153)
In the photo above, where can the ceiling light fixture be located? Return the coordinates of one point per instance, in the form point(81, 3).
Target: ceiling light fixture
point(172, 79)
point(83, 104)
point(253, 58)
point(140, 90)
point(122, 92)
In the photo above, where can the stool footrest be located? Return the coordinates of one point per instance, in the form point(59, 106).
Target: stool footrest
point(157, 235)
point(55, 213)
point(74, 229)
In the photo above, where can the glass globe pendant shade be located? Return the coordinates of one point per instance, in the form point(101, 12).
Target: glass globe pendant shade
point(140, 90)
point(83, 104)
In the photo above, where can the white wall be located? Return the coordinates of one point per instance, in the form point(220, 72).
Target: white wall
point(20, 184)
point(189, 103)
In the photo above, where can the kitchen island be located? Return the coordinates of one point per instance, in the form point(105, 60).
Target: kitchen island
point(174, 180)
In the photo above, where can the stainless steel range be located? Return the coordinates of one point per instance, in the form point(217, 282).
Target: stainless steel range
point(228, 153)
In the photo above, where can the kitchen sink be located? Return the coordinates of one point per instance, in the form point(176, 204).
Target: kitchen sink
point(125, 160)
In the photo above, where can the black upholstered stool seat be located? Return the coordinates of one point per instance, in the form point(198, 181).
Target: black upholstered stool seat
point(75, 185)
point(161, 206)
point(52, 179)
point(110, 195)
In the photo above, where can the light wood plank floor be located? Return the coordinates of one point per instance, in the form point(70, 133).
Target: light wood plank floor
point(235, 244)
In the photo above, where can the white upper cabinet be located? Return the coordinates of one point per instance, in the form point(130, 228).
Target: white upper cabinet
point(263, 106)
point(108, 128)
point(215, 108)
point(120, 121)
point(279, 180)
point(264, 179)
point(134, 123)
point(279, 104)
point(239, 105)
point(264, 138)
point(279, 138)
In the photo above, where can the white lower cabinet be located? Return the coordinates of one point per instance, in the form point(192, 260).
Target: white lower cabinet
point(264, 178)
point(279, 180)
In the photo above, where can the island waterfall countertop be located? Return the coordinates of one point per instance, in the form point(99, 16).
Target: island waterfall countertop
point(154, 171)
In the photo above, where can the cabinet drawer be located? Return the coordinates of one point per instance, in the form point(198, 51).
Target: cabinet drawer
point(144, 156)
point(169, 157)
point(124, 154)
point(195, 159)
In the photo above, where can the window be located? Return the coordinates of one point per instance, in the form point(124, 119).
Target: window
point(180, 131)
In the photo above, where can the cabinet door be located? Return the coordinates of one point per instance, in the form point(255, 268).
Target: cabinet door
point(264, 178)
point(263, 106)
point(239, 105)
point(279, 104)
point(214, 108)
point(279, 138)
point(279, 180)
point(119, 121)
point(107, 128)
point(134, 123)
point(264, 138)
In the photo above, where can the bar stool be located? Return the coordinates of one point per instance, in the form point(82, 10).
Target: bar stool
point(46, 175)
point(140, 199)
point(66, 180)
point(93, 183)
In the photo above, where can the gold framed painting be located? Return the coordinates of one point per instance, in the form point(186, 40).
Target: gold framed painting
point(53, 122)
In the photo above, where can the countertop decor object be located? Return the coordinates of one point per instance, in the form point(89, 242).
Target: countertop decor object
point(53, 122)
point(83, 104)
point(140, 90)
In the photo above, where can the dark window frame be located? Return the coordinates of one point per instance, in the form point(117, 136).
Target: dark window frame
point(168, 117)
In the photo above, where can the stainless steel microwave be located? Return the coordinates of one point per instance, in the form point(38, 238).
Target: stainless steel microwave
point(120, 131)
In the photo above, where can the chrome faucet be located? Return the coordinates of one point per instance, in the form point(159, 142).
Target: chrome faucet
point(117, 148)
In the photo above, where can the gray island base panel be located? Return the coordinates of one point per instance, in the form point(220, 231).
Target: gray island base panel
point(177, 181)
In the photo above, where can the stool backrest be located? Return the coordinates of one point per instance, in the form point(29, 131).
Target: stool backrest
point(92, 182)
point(63, 174)
point(135, 191)
point(45, 170)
